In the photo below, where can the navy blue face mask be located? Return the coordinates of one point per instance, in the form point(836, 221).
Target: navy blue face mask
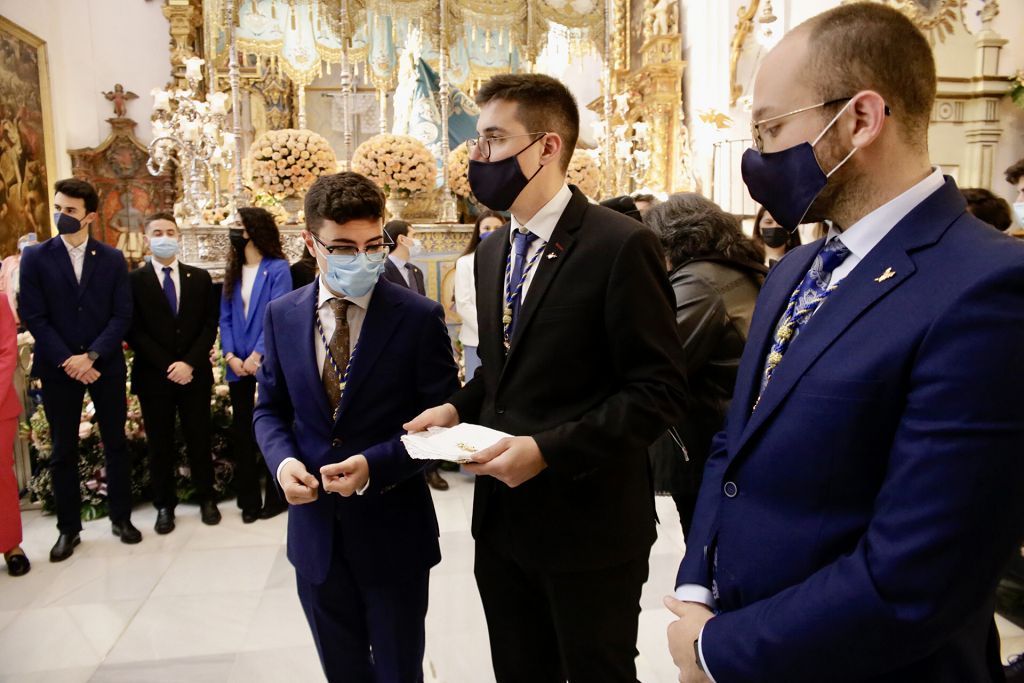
point(66, 225)
point(786, 183)
point(497, 183)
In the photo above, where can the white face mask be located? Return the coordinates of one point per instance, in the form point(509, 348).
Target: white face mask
point(1018, 208)
point(416, 249)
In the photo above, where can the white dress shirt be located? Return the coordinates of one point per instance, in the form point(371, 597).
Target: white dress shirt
point(860, 238)
point(158, 268)
point(541, 225)
point(249, 274)
point(355, 315)
point(77, 255)
point(406, 275)
point(465, 300)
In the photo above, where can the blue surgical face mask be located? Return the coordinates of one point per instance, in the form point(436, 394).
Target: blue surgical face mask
point(351, 275)
point(164, 247)
point(66, 225)
point(786, 183)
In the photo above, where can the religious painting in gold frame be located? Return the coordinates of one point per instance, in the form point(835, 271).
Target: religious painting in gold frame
point(27, 160)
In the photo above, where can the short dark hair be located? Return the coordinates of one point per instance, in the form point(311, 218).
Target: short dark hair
point(988, 207)
point(543, 103)
point(1015, 172)
point(690, 226)
point(159, 216)
point(867, 46)
point(792, 236)
point(79, 189)
point(395, 228)
point(650, 198)
point(625, 205)
point(342, 197)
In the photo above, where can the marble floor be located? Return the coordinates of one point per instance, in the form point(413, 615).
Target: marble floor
point(218, 604)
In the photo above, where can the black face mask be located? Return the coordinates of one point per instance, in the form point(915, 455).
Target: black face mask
point(775, 238)
point(237, 240)
point(497, 183)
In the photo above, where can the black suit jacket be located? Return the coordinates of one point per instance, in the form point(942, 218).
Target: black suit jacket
point(393, 274)
point(159, 338)
point(594, 374)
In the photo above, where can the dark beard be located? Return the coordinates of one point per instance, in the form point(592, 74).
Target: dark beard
point(844, 187)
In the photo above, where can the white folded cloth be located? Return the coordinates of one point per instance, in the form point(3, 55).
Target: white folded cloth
point(454, 444)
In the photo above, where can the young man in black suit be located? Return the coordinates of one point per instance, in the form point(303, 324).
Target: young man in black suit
point(172, 332)
point(581, 362)
point(76, 302)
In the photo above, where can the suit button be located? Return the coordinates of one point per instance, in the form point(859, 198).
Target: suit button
point(730, 489)
point(336, 443)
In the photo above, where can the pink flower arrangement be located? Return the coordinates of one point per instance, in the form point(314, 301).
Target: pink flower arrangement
point(286, 162)
point(401, 165)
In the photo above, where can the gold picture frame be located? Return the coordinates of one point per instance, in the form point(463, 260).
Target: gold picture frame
point(27, 156)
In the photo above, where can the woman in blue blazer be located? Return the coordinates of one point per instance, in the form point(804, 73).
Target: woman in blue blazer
point(257, 272)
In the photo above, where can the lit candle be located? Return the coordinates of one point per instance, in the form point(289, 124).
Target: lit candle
point(161, 99)
point(218, 102)
point(194, 68)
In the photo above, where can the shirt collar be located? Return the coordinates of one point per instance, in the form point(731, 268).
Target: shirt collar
point(326, 295)
point(71, 249)
point(397, 261)
point(865, 234)
point(159, 267)
point(544, 221)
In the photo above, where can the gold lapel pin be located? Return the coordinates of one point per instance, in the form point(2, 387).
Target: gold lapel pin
point(551, 255)
point(93, 252)
point(889, 272)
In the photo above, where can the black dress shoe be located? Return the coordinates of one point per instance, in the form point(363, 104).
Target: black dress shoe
point(250, 516)
point(64, 547)
point(18, 565)
point(436, 481)
point(273, 506)
point(164, 521)
point(209, 513)
point(126, 531)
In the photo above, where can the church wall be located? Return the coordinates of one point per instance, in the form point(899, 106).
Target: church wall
point(91, 45)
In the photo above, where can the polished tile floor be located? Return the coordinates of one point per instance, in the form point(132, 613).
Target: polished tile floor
point(218, 604)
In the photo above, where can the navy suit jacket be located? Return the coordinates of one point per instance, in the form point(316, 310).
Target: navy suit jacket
point(241, 334)
point(863, 512)
point(403, 365)
point(68, 318)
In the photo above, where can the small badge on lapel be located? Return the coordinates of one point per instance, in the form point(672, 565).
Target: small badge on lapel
point(551, 255)
point(93, 252)
point(889, 272)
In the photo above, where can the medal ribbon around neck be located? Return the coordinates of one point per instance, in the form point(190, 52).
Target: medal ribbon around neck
point(512, 294)
point(341, 376)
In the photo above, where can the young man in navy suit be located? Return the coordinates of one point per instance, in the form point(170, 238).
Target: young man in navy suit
point(76, 301)
point(350, 358)
point(868, 489)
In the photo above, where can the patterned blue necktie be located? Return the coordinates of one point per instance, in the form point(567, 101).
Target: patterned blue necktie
point(521, 243)
point(169, 291)
point(805, 300)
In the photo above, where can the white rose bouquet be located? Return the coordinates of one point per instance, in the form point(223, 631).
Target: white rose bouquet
point(286, 162)
point(584, 173)
point(401, 165)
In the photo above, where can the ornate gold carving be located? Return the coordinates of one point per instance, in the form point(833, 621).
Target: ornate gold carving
point(744, 25)
point(935, 18)
point(184, 17)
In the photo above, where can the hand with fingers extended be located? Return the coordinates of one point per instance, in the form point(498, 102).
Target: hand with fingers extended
point(299, 486)
point(346, 477)
point(513, 461)
point(441, 416)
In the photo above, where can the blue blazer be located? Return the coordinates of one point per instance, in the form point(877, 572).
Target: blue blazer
point(403, 365)
point(861, 516)
point(242, 335)
point(68, 318)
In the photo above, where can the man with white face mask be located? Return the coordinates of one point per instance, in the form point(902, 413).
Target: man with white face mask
point(173, 329)
point(398, 268)
point(868, 488)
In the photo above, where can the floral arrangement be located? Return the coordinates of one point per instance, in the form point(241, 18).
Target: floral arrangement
point(401, 165)
point(584, 173)
point(1017, 89)
point(216, 216)
point(458, 171)
point(286, 162)
point(91, 470)
point(273, 205)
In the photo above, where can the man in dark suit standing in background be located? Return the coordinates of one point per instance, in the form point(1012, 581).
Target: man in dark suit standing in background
point(172, 332)
point(868, 488)
point(580, 361)
point(76, 301)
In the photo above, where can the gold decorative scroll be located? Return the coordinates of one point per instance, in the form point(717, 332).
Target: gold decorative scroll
point(744, 26)
point(936, 19)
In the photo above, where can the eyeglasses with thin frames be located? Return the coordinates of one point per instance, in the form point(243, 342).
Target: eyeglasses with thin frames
point(483, 143)
point(755, 126)
point(374, 252)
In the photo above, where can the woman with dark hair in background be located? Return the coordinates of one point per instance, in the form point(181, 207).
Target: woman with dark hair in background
point(773, 238)
point(465, 289)
point(257, 272)
point(716, 273)
point(304, 270)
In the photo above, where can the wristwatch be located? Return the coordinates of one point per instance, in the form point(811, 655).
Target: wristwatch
point(696, 655)
point(93, 356)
